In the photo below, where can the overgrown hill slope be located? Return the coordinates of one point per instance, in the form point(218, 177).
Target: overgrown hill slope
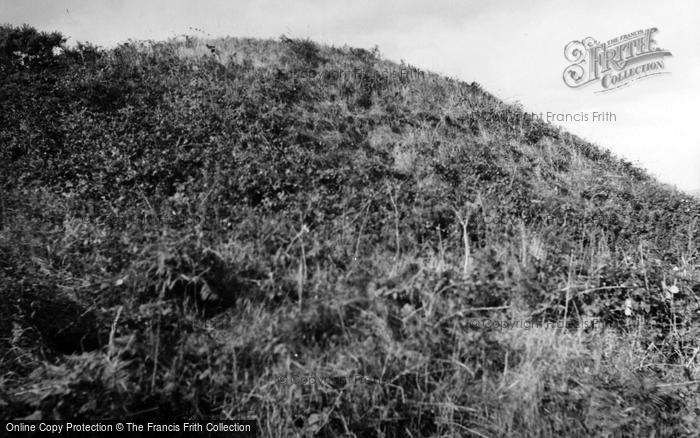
point(327, 242)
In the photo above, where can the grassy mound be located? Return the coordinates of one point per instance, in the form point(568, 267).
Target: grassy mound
point(328, 243)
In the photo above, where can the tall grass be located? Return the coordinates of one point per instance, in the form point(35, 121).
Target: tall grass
point(250, 236)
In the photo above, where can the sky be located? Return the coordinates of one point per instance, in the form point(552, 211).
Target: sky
point(513, 48)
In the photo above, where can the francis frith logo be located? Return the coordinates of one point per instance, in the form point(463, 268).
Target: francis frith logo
point(615, 63)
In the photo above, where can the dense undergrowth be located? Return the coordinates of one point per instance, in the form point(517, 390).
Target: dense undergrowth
point(328, 243)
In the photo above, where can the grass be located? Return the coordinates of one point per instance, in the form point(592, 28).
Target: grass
point(243, 232)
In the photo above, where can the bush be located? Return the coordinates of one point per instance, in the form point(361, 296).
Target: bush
point(27, 46)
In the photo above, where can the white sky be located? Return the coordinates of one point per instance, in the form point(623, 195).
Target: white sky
point(514, 48)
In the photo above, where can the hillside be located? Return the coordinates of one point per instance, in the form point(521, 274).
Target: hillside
point(296, 234)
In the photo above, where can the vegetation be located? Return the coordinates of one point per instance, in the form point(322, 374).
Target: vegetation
point(242, 232)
